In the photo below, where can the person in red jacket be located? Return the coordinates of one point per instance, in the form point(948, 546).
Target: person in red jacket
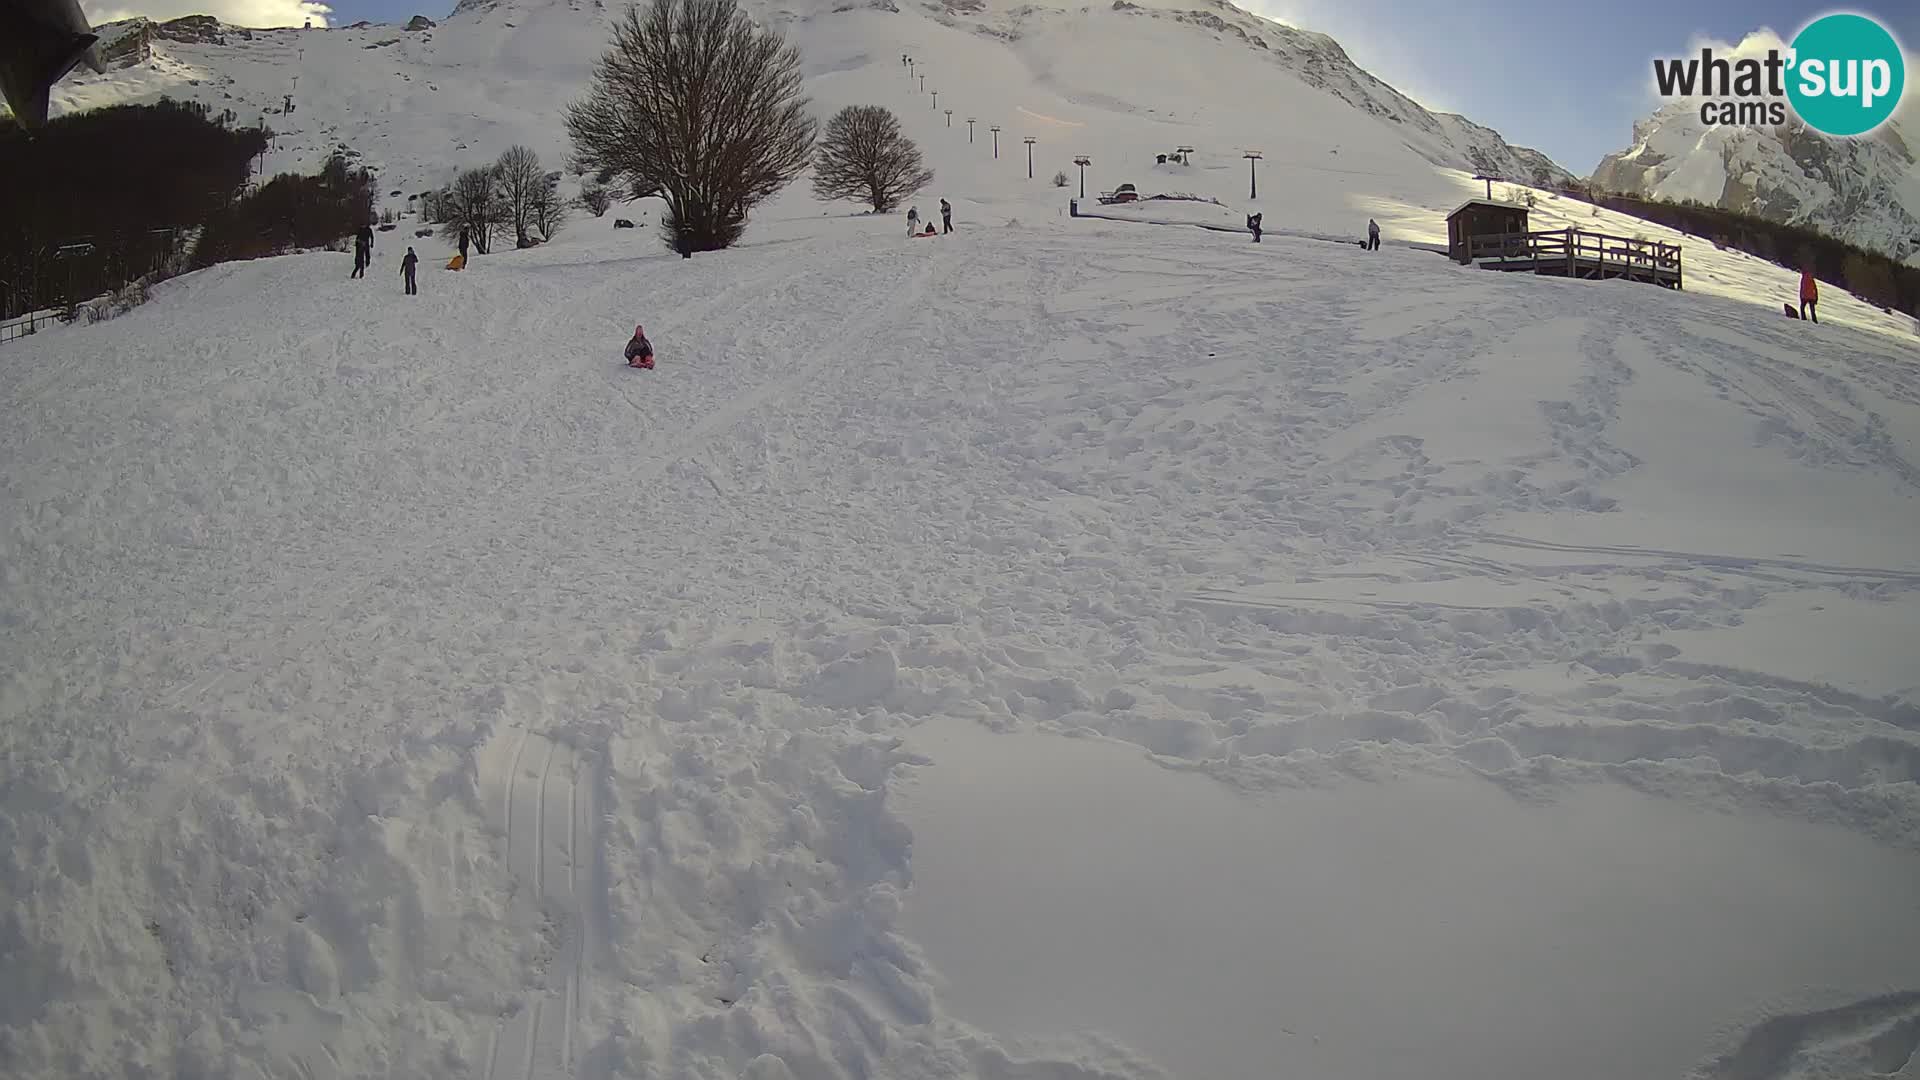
point(1809, 295)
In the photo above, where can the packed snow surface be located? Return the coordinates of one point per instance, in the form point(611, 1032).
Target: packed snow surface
point(1359, 931)
point(402, 685)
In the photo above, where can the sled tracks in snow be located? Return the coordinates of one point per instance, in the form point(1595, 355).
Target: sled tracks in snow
point(538, 795)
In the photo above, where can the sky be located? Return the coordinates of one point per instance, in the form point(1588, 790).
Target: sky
point(1569, 78)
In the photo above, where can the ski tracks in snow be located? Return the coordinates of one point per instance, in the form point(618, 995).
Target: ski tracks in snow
point(539, 798)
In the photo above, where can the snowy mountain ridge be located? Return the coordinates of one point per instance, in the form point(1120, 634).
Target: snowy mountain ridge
point(548, 47)
point(1865, 191)
point(1446, 139)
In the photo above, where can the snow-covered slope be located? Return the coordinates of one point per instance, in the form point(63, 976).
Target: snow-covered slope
point(1866, 191)
point(1338, 146)
point(416, 104)
point(400, 686)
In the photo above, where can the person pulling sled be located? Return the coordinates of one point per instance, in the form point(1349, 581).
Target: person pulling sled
point(640, 350)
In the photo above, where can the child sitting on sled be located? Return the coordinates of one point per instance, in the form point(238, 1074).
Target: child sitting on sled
point(640, 350)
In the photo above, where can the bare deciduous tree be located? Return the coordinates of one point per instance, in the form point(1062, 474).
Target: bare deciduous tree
point(549, 210)
point(472, 203)
point(863, 156)
point(521, 181)
point(695, 102)
point(598, 200)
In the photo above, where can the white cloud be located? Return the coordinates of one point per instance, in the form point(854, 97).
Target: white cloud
point(232, 12)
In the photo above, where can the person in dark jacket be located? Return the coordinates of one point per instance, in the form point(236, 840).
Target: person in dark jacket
point(1253, 226)
point(407, 267)
point(1373, 235)
point(640, 350)
point(463, 244)
point(362, 251)
point(946, 216)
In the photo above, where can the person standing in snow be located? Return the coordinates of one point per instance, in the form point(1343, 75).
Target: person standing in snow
point(1373, 235)
point(1809, 295)
point(913, 221)
point(1253, 225)
point(463, 245)
point(407, 267)
point(362, 251)
point(946, 216)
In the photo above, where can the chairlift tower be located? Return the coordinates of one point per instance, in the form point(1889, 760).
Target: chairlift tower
point(1253, 178)
point(1029, 140)
point(996, 141)
point(1083, 161)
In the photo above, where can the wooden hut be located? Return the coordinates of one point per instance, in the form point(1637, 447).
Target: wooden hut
point(1481, 217)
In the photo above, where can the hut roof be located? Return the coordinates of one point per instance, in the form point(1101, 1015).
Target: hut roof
point(1497, 203)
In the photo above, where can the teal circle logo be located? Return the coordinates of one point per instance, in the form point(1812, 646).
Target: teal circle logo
point(1847, 74)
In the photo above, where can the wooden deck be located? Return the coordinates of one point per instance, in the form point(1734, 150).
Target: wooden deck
point(1578, 253)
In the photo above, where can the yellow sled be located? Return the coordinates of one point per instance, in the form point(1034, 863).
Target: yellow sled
point(458, 262)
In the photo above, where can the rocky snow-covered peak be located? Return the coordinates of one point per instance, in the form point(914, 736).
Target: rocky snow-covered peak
point(1865, 191)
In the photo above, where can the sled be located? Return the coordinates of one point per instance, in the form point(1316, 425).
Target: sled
point(458, 262)
point(644, 363)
